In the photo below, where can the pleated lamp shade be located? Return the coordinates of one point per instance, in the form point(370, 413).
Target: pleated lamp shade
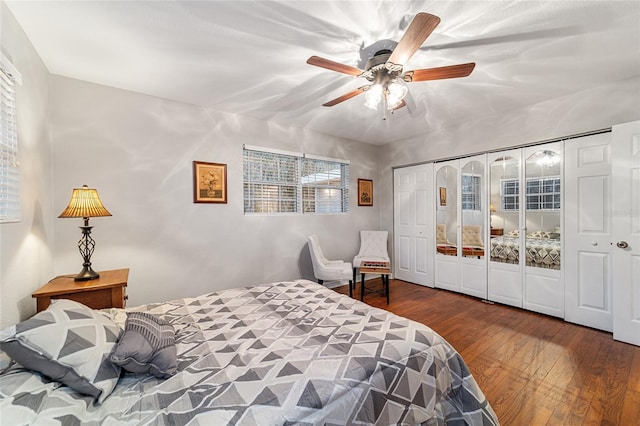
point(85, 202)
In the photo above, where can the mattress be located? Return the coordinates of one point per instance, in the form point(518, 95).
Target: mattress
point(540, 252)
point(284, 353)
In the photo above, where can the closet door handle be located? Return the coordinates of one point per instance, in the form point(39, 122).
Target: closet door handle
point(622, 244)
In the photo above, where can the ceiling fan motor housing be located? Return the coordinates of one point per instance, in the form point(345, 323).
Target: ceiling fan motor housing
point(378, 70)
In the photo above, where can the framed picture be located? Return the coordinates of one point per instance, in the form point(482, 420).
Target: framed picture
point(443, 196)
point(209, 182)
point(365, 192)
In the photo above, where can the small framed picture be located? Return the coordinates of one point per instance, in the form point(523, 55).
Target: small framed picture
point(365, 192)
point(443, 196)
point(209, 182)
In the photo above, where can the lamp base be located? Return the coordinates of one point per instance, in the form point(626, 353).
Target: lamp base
point(86, 274)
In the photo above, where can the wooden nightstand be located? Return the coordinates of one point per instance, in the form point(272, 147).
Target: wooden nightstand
point(497, 231)
point(107, 291)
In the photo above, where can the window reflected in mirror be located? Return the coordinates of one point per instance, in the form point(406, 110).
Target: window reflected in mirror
point(542, 210)
point(446, 211)
point(472, 207)
point(505, 210)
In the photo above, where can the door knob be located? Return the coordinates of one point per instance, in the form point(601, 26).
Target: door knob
point(622, 244)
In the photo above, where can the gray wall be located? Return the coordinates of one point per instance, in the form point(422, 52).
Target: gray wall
point(138, 150)
point(26, 261)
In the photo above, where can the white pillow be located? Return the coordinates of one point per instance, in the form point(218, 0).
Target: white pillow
point(69, 343)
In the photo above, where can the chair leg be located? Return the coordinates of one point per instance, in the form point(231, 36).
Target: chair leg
point(385, 281)
point(354, 278)
point(350, 288)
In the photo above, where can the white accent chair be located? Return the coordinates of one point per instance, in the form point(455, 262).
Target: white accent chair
point(325, 269)
point(373, 246)
point(472, 245)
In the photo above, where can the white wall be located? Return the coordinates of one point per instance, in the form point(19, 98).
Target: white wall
point(138, 150)
point(596, 108)
point(25, 247)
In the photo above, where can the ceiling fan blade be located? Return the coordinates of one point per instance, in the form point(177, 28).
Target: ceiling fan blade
point(334, 66)
point(346, 96)
point(450, 71)
point(420, 28)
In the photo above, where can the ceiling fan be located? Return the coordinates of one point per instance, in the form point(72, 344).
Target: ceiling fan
point(384, 71)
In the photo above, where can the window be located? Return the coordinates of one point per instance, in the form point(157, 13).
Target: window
point(271, 182)
point(542, 194)
point(9, 172)
point(509, 193)
point(325, 186)
point(471, 192)
point(284, 182)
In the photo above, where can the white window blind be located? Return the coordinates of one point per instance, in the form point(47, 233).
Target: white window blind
point(271, 182)
point(325, 186)
point(282, 182)
point(541, 194)
point(470, 192)
point(9, 173)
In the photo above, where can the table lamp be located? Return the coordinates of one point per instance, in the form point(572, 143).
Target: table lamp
point(85, 203)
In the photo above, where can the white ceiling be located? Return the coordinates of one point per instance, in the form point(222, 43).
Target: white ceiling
point(249, 57)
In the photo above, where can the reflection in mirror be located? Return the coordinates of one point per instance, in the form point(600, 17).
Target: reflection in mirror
point(472, 210)
point(542, 213)
point(446, 212)
point(505, 208)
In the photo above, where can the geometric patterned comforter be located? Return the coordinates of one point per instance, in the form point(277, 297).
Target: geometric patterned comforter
point(284, 353)
point(540, 252)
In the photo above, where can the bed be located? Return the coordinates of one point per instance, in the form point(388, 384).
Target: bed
point(542, 249)
point(283, 353)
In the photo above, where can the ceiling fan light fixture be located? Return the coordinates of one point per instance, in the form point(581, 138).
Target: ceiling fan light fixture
point(374, 96)
point(396, 91)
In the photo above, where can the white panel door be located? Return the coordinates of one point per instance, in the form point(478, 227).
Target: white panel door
point(587, 256)
point(413, 257)
point(625, 151)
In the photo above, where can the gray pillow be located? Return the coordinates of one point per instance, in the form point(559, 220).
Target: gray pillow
point(148, 346)
point(69, 343)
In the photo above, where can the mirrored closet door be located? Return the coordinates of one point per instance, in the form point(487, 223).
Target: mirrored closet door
point(474, 230)
point(447, 249)
point(543, 290)
point(525, 228)
point(461, 231)
point(505, 263)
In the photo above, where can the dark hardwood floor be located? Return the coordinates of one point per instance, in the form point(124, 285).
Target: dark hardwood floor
point(533, 369)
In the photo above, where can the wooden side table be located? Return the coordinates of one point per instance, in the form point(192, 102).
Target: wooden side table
point(473, 252)
point(384, 274)
point(447, 250)
point(107, 291)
